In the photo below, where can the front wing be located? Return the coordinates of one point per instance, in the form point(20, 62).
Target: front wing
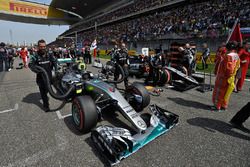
point(116, 143)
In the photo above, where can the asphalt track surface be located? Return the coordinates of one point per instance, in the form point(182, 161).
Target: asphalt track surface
point(31, 137)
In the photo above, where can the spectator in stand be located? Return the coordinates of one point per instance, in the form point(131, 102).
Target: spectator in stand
point(209, 19)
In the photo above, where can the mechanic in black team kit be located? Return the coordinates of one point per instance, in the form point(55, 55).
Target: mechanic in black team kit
point(240, 117)
point(121, 57)
point(46, 61)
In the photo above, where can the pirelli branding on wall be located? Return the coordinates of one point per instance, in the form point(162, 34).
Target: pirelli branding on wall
point(29, 9)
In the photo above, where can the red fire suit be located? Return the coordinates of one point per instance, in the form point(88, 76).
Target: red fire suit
point(224, 84)
point(219, 57)
point(244, 62)
point(24, 55)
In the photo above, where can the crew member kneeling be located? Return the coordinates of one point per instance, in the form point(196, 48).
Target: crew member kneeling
point(46, 61)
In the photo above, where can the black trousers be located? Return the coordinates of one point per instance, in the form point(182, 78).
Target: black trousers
point(154, 76)
point(89, 58)
point(4, 64)
point(11, 62)
point(204, 62)
point(85, 57)
point(242, 115)
point(44, 93)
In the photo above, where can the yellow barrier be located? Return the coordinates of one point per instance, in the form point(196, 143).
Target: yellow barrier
point(131, 52)
point(103, 52)
point(211, 59)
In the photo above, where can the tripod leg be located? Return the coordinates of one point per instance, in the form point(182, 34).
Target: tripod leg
point(210, 81)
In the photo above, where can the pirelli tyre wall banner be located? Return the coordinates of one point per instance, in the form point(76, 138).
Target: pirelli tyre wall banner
point(29, 9)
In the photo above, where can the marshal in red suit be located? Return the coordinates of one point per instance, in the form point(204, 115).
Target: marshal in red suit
point(244, 63)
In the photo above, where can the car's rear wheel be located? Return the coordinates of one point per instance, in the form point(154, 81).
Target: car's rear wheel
point(164, 78)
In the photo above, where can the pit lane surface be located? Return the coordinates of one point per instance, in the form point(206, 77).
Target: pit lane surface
point(31, 137)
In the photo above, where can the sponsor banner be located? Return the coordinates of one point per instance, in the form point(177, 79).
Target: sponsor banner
point(145, 51)
point(131, 52)
point(29, 9)
point(211, 59)
point(245, 32)
point(104, 52)
point(151, 53)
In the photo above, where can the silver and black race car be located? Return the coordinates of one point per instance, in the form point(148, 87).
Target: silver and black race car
point(92, 95)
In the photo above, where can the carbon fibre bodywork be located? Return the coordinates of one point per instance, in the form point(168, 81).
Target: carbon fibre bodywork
point(117, 143)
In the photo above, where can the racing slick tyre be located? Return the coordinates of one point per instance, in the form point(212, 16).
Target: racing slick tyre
point(182, 69)
point(84, 113)
point(164, 77)
point(141, 97)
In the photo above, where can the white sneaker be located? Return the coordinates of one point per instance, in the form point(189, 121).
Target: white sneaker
point(9, 69)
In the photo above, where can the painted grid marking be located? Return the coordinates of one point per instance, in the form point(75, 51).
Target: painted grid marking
point(10, 110)
point(60, 116)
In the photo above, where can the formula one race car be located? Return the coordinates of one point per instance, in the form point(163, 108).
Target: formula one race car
point(92, 95)
point(138, 67)
point(181, 81)
point(141, 67)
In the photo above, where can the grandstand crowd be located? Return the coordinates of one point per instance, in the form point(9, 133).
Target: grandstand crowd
point(209, 19)
point(137, 6)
